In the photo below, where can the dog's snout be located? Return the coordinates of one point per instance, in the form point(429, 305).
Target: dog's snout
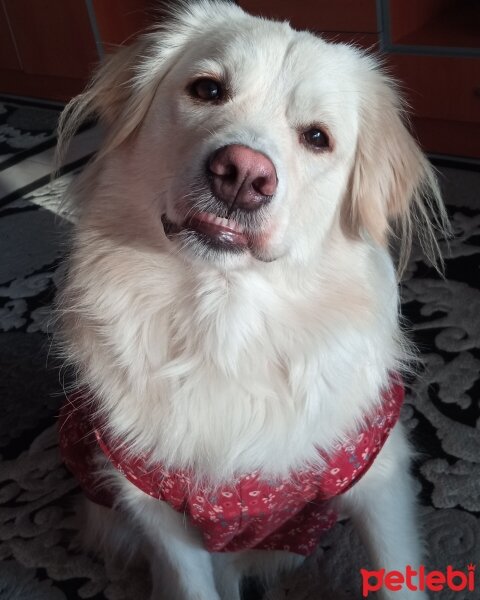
point(242, 177)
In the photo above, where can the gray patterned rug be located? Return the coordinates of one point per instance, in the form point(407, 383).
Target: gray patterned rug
point(37, 525)
point(26, 128)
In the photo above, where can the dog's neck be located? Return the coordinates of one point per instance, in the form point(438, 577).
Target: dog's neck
point(223, 372)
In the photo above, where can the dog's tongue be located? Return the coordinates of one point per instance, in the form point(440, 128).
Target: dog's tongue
point(225, 232)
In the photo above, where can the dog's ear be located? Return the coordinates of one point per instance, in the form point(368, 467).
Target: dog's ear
point(112, 86)
point(123, 87)
point(392, 185)
point(117, 96)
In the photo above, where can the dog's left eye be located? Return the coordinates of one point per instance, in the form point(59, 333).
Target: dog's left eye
point(315, 138)
point(206, 89)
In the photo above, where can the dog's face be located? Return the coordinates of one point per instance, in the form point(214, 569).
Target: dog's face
point(254, 141)
point(257, 134)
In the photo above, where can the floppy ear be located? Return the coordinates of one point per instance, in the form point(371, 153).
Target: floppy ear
point(392, 186)
point(123, 87)
point(110, 97)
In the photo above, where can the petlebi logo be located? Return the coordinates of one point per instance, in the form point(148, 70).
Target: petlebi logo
point(419, 580)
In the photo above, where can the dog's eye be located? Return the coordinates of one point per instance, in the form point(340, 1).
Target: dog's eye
point(315, 138)
point(207, 89)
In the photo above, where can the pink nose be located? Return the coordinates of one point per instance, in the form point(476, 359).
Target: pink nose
point(242, 177)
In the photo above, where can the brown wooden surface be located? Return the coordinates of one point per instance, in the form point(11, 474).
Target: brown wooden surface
point(319, 15)
point(53, 37)
point(453, 138)
point(8, 53)
point(440, 87)
point(120, 20)
point(39, 86)
point(443, 23)
point(407, 16)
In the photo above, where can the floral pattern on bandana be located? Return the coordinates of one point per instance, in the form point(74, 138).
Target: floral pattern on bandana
point(251, 512)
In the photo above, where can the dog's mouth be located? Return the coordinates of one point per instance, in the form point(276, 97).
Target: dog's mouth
point(222, 233)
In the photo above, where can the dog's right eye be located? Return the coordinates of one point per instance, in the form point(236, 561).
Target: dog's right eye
point(206, 89)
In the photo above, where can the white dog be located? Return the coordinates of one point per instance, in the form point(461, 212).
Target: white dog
point(231, 306)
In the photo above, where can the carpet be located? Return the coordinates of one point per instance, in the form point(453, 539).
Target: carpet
point(26, 128)
point(39, 560)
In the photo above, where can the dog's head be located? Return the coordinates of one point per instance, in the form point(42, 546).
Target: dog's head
point(251, 142)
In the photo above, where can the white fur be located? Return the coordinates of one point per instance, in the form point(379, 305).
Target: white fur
point(229, 363)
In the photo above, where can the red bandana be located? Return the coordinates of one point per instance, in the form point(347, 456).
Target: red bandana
point(250, 512)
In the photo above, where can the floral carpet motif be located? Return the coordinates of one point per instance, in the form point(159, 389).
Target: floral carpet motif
point(39, 558)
